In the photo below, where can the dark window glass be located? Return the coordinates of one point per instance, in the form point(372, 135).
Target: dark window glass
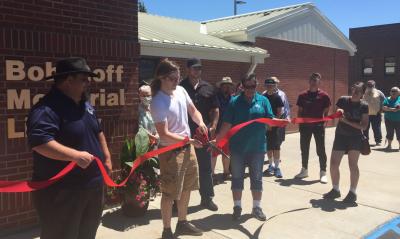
point(390, 65)
point(368, 66)
point(147, 68)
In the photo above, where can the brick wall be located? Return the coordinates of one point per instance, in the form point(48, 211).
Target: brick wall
point(376, 42)
point(37, 31)
point(293, 63)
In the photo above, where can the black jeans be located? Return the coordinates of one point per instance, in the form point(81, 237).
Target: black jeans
point(375, 121)
point(306, 132)
point(391, 127)
point(69, 213)
point(205, 174)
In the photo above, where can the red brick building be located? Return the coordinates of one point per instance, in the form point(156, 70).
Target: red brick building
point(33, 35)
point(289, 42)
point(377, 57)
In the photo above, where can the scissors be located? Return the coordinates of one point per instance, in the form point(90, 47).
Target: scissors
point(205, 141)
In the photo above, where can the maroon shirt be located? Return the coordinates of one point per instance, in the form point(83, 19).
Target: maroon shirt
point(313, 103)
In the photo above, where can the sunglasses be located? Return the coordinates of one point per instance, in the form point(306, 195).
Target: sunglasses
point(249, 87)
point(197, 68)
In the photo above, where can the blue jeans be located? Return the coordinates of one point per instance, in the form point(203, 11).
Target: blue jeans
point(375, 121)
point(205, 174)
point(255, 161)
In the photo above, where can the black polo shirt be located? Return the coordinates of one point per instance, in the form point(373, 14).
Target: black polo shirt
point(205, 99)
point(57, 117)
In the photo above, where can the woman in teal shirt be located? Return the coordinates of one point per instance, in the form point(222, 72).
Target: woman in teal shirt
point(391, 106)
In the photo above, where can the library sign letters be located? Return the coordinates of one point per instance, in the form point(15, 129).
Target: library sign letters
point(24, 98)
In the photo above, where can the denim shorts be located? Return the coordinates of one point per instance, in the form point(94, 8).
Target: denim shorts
point(255, 161)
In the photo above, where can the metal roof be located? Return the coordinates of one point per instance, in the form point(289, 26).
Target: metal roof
point(184, 33)
point(244, 21)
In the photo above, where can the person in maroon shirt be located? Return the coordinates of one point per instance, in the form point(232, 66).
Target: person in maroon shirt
point(313, 103)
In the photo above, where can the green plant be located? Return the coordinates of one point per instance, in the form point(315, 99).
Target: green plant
point(144, 182)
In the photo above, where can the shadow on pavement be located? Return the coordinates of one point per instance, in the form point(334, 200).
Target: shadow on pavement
point(225, 222)
point(295, 181)
point(117, 221)
point(290, 211)
point(386, 150)
point(330, 205)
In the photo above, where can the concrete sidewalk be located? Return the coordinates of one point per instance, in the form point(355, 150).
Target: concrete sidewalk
point(295, 208)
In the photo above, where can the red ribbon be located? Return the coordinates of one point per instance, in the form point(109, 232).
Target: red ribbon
point(223, 143)
point(29, 186)
point(316, 120)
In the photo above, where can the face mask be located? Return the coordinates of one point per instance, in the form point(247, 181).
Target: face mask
point(146, 100)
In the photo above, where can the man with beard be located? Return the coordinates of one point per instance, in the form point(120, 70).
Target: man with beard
point(204, 98)
point(62, 128)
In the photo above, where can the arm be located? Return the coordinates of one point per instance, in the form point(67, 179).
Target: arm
point(162, 129)
point(106, 152)
point(214, 116)
point(326, 111)
point(57, 151)
point(389, 109)
point(196, 117)
point(361, 126)
point(300, 111)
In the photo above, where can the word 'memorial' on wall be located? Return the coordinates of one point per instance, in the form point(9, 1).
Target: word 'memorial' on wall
point(24, 98)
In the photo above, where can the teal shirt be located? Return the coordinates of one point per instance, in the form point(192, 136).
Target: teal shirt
point(250, 139)
point(392, 103)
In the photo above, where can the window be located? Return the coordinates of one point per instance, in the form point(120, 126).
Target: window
point(390, 65)
point(368, 65)
point(147, 68)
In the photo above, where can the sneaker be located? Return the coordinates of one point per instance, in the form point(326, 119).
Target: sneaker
point(332, 194)
point(186, 228)
point(237, 213)
point(378, 144)
point(388, 148)
point(303, 173)
point(350, 198)
point(322, 177)
point(270, 170)
point(167, 234)
point(209, 204)
point(278, 173)
point(258, 214)
point(226, 176)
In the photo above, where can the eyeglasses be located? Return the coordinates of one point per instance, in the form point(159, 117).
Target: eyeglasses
point(393, 91)
point(173, 77)
point(197, 68)
point(249, 87)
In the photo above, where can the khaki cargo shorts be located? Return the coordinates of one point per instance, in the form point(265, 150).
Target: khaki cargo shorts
point(179, 172)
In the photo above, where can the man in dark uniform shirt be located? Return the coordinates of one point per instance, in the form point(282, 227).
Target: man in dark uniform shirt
point(63, 128)
point(204, 98)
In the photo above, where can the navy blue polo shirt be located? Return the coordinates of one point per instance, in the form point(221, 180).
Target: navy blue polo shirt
point(57, 117)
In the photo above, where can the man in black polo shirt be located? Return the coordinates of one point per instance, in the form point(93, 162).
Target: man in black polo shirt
point(63, 128)
point(204, 97)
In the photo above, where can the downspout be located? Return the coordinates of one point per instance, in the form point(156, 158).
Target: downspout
point(253, 66)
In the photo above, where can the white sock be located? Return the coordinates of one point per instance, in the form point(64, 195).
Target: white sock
point(353, 190)
point(237, 203)
point(256, 203)
point(271, 161)
point(277, 161)
point(336, 187)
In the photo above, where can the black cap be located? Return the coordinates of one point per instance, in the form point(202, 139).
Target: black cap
point(194, 62)
point(72, 65)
